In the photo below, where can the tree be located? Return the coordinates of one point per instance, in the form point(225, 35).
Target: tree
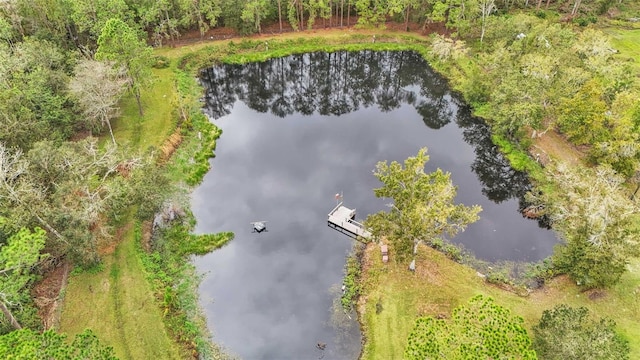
point(20, 193)
point(97, 87)
point(90, 16)
point(161, 17)
point(17, 257)
point(204, 13)
point(486, 8)
point(583, 117)
point(46, 19)
point(120, 44)
point(371, 12)
point(422, 207)
point(566, 333)
point(295, 13)
point(596, 221)
point(28, 344)
point(402, 6)
point(321, 8)
point(254, 12)
point(81, 182)
point(33, 103)
point(481, 329)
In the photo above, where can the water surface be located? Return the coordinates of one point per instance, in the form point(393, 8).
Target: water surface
point(300, 129)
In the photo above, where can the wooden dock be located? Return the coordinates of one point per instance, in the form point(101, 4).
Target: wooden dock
point(342, 219)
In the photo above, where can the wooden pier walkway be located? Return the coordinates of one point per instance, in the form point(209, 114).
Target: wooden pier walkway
point(342, 219)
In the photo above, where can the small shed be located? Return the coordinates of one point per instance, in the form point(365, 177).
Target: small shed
point(385, 253)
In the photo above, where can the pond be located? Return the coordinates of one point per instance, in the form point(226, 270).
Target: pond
point(298, 130)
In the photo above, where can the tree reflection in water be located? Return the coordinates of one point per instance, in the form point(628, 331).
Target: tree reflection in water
point(341, 82)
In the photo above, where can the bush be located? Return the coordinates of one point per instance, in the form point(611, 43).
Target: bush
point(351, 289)
point(585, 20)
point(453, 252)
point(569, 333)
point(498, 277)
point(160, 62)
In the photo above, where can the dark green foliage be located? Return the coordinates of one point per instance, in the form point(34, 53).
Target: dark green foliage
point(18, 256)
point(33, 100)
point(175, 282)
point(588, 265)
point(541, 271)
point(566, 333)
point(204, 244)
point(352, 271)
point(585, 20)
point(148, 188)
point(28, 344)
point(453, 252)
point(480, 329)
point(209, 134)
point(498, 277)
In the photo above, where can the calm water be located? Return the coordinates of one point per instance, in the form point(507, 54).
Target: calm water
point(300, 129)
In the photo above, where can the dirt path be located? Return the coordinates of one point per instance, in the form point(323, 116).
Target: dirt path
point(226, 33)
point(552, 146)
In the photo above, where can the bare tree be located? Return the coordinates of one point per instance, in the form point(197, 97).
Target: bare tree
point(486, 8)
point(97, 86)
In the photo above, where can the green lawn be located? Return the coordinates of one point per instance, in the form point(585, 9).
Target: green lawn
point(118, 305)
point(627, 42)
point(158, 102)
point(439, 285)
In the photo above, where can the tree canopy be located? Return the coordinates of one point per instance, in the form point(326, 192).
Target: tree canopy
point(28, 344)
point(120, 44)
point(596, 221)
point(17, 258)
point(422, 208)
point(567, 333)
point(480, 329)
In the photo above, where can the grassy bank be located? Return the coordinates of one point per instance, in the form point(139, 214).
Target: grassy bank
point(394, 297)
point(144, 302)
point(118, 305)
point(626, 42)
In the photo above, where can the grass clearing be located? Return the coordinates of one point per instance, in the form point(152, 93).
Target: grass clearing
point(393, 298)
point(118, 305)
point(158, 103)
point(627, 43)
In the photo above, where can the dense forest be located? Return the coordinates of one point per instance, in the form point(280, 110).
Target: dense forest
point(66, 65)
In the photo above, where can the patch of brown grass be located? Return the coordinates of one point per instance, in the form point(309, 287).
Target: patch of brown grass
point(170, 145)
point(46, 295)
point(553, 146)
point(147, 229)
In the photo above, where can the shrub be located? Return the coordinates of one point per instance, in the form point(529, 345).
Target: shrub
point(160, 62)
